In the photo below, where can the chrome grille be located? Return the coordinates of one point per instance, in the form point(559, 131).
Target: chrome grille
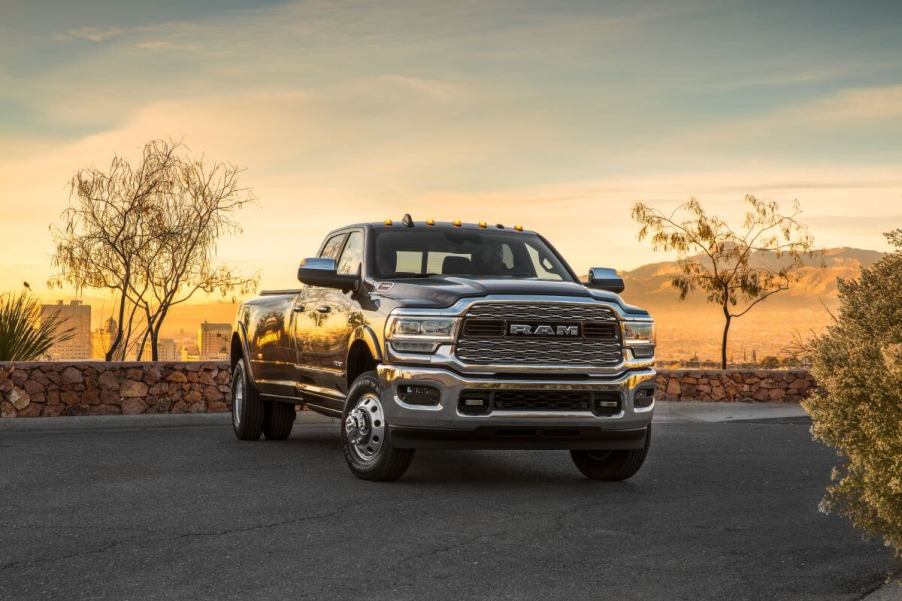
point(542, 311)
point(485, 338)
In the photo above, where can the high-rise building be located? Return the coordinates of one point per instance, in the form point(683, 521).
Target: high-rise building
point(76, 316)
point(213, 340)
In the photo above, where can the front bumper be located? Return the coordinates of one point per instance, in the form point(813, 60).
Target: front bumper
point(444, 426)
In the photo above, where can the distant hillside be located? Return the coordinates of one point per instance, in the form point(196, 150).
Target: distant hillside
point(685, 328)
point(650, 284)
point(693, 327)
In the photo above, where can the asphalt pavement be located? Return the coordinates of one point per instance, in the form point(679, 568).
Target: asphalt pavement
point(725, 508)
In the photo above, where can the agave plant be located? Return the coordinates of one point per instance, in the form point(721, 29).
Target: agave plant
point(24, 336)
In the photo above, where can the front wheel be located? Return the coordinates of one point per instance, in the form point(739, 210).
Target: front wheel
point(364, 434)
point(614, 465)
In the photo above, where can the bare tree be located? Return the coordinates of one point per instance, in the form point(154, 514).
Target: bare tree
point(182, 260)
point(717, 259)
point(103, 232)
point(148, 233)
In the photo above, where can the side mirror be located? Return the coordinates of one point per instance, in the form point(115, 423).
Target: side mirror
point(605, 278)
point(324, 273)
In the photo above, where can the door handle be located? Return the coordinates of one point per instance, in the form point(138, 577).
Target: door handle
point(324, 309)
point(299, 308)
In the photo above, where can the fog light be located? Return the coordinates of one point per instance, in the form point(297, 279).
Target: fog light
point(473, 404)
point(644, 397)
point(606, 403)
point(419, 395)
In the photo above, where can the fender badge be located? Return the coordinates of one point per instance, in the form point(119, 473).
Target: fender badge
point(385, 286)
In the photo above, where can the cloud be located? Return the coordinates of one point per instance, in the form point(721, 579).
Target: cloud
point(97, 34)
point(857, 104)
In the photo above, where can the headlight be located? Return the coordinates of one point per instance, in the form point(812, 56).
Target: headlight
point(639, 336)
point(419, 334)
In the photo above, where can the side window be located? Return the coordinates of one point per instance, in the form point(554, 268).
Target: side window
point(352, 254)
point(332, 247)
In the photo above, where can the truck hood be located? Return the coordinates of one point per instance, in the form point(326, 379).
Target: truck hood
point(444, 291)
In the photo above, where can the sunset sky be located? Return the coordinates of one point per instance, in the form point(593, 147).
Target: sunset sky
point(557, 115)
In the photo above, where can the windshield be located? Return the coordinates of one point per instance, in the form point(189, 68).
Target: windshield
point(466, 253)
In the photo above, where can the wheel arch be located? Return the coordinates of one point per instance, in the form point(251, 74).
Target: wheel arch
point(238, 350)
point(363, 354)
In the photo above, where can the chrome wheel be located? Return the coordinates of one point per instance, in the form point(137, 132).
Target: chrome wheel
point(237, 398)
point(365, 427)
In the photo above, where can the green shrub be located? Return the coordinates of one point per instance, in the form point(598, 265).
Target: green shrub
point(858, 364)
point(23, 336)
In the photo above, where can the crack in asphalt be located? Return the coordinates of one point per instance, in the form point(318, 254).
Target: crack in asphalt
point(172, 536)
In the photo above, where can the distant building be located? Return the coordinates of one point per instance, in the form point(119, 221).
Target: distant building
point(189, 353)
point(102, 339)
point(75, 316)
point(213, 340)
point(166, 350)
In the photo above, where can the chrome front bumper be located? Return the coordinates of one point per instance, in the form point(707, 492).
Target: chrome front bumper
point(444, 425)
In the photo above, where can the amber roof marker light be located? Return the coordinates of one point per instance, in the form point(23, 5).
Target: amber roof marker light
point(483, 224)
point(456, 223)
point(518, 227)
point(387, 222)
point(430, 222)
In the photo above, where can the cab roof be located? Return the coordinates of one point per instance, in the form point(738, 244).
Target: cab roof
point(392, 224)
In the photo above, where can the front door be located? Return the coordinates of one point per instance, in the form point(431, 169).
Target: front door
point(313, 320)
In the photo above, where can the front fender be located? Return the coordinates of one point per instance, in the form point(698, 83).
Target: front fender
point(369, 337)
point(241, 333)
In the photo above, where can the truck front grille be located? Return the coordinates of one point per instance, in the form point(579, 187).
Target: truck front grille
point(486, 336)
point(597, 402)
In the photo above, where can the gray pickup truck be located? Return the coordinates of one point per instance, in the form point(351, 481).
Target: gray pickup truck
point(449, 335)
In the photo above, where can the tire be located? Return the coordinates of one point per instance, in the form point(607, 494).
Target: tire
point(278, 419)
point(614, 465)
point(247, 408)
point(364, 434)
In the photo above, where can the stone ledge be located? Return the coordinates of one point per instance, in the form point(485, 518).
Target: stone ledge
point(740, 385)
point(49, 389)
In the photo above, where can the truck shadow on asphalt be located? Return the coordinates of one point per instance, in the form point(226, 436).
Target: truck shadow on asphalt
point(478, 469)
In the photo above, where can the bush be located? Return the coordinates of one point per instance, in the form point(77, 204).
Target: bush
point(769, 362)
point(23, 336)
point(858, 364)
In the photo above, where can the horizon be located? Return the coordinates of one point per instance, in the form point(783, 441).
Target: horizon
point(549, 116)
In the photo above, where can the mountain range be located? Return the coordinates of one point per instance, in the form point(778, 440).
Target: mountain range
point(693, 327)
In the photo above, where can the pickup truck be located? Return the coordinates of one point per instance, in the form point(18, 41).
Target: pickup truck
point(448, 335)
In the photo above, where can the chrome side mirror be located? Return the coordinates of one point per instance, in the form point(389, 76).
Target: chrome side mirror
point(322, 272)
point(605, 278)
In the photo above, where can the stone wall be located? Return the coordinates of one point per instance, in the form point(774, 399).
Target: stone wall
point(97, 388)
point(734, 385)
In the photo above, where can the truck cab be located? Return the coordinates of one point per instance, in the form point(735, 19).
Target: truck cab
point(449, 335)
